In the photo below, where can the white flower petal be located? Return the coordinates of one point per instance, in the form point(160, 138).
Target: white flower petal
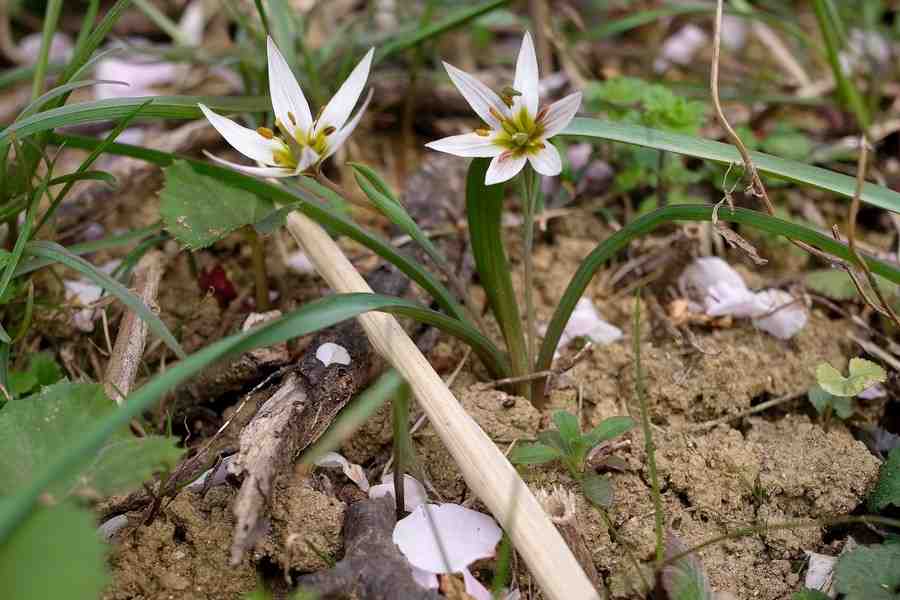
point(258, 171)
point(330, 353)
point(287, 97)
point(503, 168)
point(414, 494)
point(246, 141)
point(560, 114)
point(337, 139)
point(308, 157)
point(446, 539)
point(527, 78)
point(546, 161)
point(479, 96)
point(586, 321)
point(467, 144)
point(354, 472)
point(338, 109)
point(784, 315)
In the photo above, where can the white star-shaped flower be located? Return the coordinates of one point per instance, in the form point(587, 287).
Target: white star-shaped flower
point(517, 130)
point(301, 142)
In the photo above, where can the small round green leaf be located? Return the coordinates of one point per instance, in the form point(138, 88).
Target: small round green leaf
point(863, 374)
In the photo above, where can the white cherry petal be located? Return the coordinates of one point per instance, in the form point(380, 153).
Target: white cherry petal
point(338, 109)
point(258, 171)
point(337, 139)
point(287, 97)
point(560, 114)
point(546, 161)
point(479, 96)
point(467, 144)
point(246, 141)
point(503, 168)
point(526, 82)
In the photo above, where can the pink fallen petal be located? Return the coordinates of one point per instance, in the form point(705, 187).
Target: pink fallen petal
point(465, 536)
point(783, 316)
point(474, 587)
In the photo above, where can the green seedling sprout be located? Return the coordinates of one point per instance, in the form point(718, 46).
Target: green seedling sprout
point(570, 446)
point(834, 393)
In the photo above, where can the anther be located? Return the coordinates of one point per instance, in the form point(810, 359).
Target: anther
point(292, 117)
point(265, 132)
point(483, 132)
point(329, 130)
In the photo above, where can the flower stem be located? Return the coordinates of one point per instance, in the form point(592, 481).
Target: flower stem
point(529, 181)
point(261, 276)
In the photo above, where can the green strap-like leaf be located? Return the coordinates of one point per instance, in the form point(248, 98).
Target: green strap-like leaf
point(792, 170)
point(484, 208)
point(686, 212)
point(312, 317)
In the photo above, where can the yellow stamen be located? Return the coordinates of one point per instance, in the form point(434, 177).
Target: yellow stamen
point(496, 114)
point(483, 132)
point(292, 117)
point(266, 132)
point(329, 130)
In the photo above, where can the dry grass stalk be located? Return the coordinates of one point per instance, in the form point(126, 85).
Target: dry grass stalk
point(486, 471)
point(132, 337)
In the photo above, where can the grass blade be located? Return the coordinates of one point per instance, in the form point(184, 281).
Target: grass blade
point(312, 317)
point(51, 18)
point(158, 107)
point(455, 19)
point(57, 253)
point(686, 212)
point(791, 170)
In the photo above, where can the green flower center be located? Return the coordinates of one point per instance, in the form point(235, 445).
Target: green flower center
point(520, 134)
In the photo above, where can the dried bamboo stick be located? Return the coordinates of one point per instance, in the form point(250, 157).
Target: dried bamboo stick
point(485, 469)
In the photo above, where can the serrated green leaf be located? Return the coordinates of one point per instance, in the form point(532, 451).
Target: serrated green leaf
point(56, 553)
point(822, 400)
point(199, 210)
point(598, 489)
point(567, 425)
point(887, 490)
point(36, 429)
point(684, 579)
point(808, 594)
point(869, 573)
point(610, 428)
point(863, 374)
point(533, 454)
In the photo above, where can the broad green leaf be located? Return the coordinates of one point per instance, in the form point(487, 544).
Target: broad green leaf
point(55, 553)
point(887, 490)
point(822, 400)
point(598, 489)
point(869, 573)
point(199, 210)
point(534, 454)
point(863, 374)
point(609, 428)
point(791, 170)
point(42, 371)
point(837, 285)
point(551, 437)
point(35, 430)
point(808, 594)
point(567, 425)
point(684, 579)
